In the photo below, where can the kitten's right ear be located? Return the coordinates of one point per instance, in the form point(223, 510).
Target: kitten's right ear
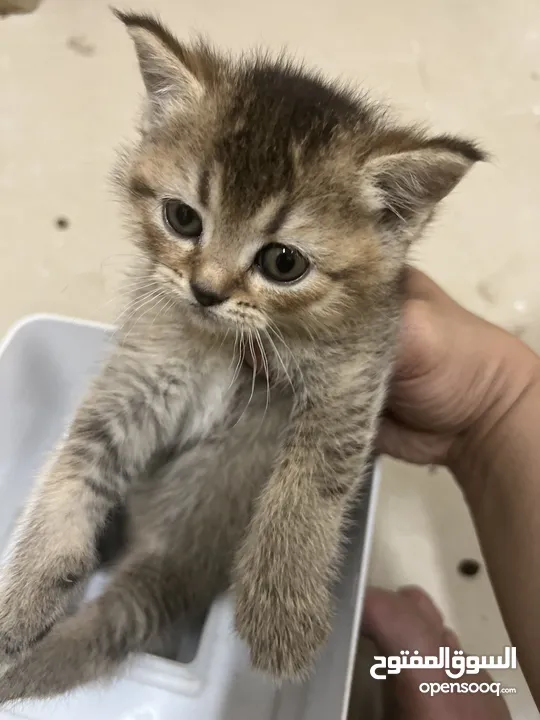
point(169, 69)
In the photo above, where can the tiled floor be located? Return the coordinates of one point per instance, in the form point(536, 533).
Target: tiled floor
point(69, 93)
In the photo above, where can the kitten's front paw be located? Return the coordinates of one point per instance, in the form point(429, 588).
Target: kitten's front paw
point(32, 599)
point(21, 627)
point(284, 626)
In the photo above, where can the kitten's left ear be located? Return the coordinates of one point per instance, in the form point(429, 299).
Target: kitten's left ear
point(171, 71)
point(403, 187)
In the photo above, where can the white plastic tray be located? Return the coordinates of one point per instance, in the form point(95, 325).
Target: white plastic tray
point(45, 365)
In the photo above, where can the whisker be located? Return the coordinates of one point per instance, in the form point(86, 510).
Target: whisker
point(155, 296)
point(158, 300)
point(223, 339)
point(133, 307)
point(129, 294)
point(138, 285)
point(266, 370)
point(163, 310)
point(239, 362)
point(242, 350)
point(233, 360)
point(253, 378)
point(290, 353)
point(276, 351)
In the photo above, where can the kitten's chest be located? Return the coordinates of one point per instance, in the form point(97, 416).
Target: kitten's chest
point(211, 403)
point(228, 401)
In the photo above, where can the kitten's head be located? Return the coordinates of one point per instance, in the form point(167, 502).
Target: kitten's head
point(262, 194)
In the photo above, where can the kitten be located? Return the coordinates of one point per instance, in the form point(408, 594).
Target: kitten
point(274, 212)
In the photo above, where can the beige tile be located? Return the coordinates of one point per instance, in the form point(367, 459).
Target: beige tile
point(69, 93)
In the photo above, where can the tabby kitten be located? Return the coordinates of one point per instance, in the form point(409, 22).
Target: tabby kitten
point(274, 212)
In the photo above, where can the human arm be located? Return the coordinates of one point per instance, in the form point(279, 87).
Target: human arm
point(466, 395)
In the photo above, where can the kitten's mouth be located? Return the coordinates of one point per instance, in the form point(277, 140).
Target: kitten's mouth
point(200, 308)
point(203, 312)
point(208, 318)
point(216, 320)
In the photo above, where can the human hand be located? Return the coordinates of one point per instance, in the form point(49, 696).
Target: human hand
point(456, 377)
point(409, 620)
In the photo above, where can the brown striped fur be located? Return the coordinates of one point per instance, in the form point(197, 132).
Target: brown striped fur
point(222, 478)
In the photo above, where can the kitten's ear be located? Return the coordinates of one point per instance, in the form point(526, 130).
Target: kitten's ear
point(404, 187)
point(169, 69)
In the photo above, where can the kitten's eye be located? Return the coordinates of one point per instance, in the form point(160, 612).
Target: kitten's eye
point(182, 219)
point(280, 263)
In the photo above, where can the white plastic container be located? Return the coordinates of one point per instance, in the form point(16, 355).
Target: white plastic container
point(45, 365)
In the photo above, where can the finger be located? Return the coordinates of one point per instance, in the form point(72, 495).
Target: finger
point(408, 620)
point(422, 340)
point(424, 603)
point(391, 618)
point(413, 446)
point(422, 287)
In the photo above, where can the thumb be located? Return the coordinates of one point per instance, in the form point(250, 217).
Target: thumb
point(414, 446)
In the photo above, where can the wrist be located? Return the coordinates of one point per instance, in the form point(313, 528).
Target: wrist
point(509, 410)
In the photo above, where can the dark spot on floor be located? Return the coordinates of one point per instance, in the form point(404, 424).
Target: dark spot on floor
point(469, 567)
point(62, 223)
point(81, 45)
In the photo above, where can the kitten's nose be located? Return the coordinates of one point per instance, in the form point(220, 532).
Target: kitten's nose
point(205, 296)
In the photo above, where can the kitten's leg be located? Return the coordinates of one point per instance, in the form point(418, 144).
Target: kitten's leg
point(134, 408)
point(144, 598)
point(285, 568)
point(185, 523)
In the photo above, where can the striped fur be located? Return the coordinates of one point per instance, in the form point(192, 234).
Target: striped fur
point(225, 478)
